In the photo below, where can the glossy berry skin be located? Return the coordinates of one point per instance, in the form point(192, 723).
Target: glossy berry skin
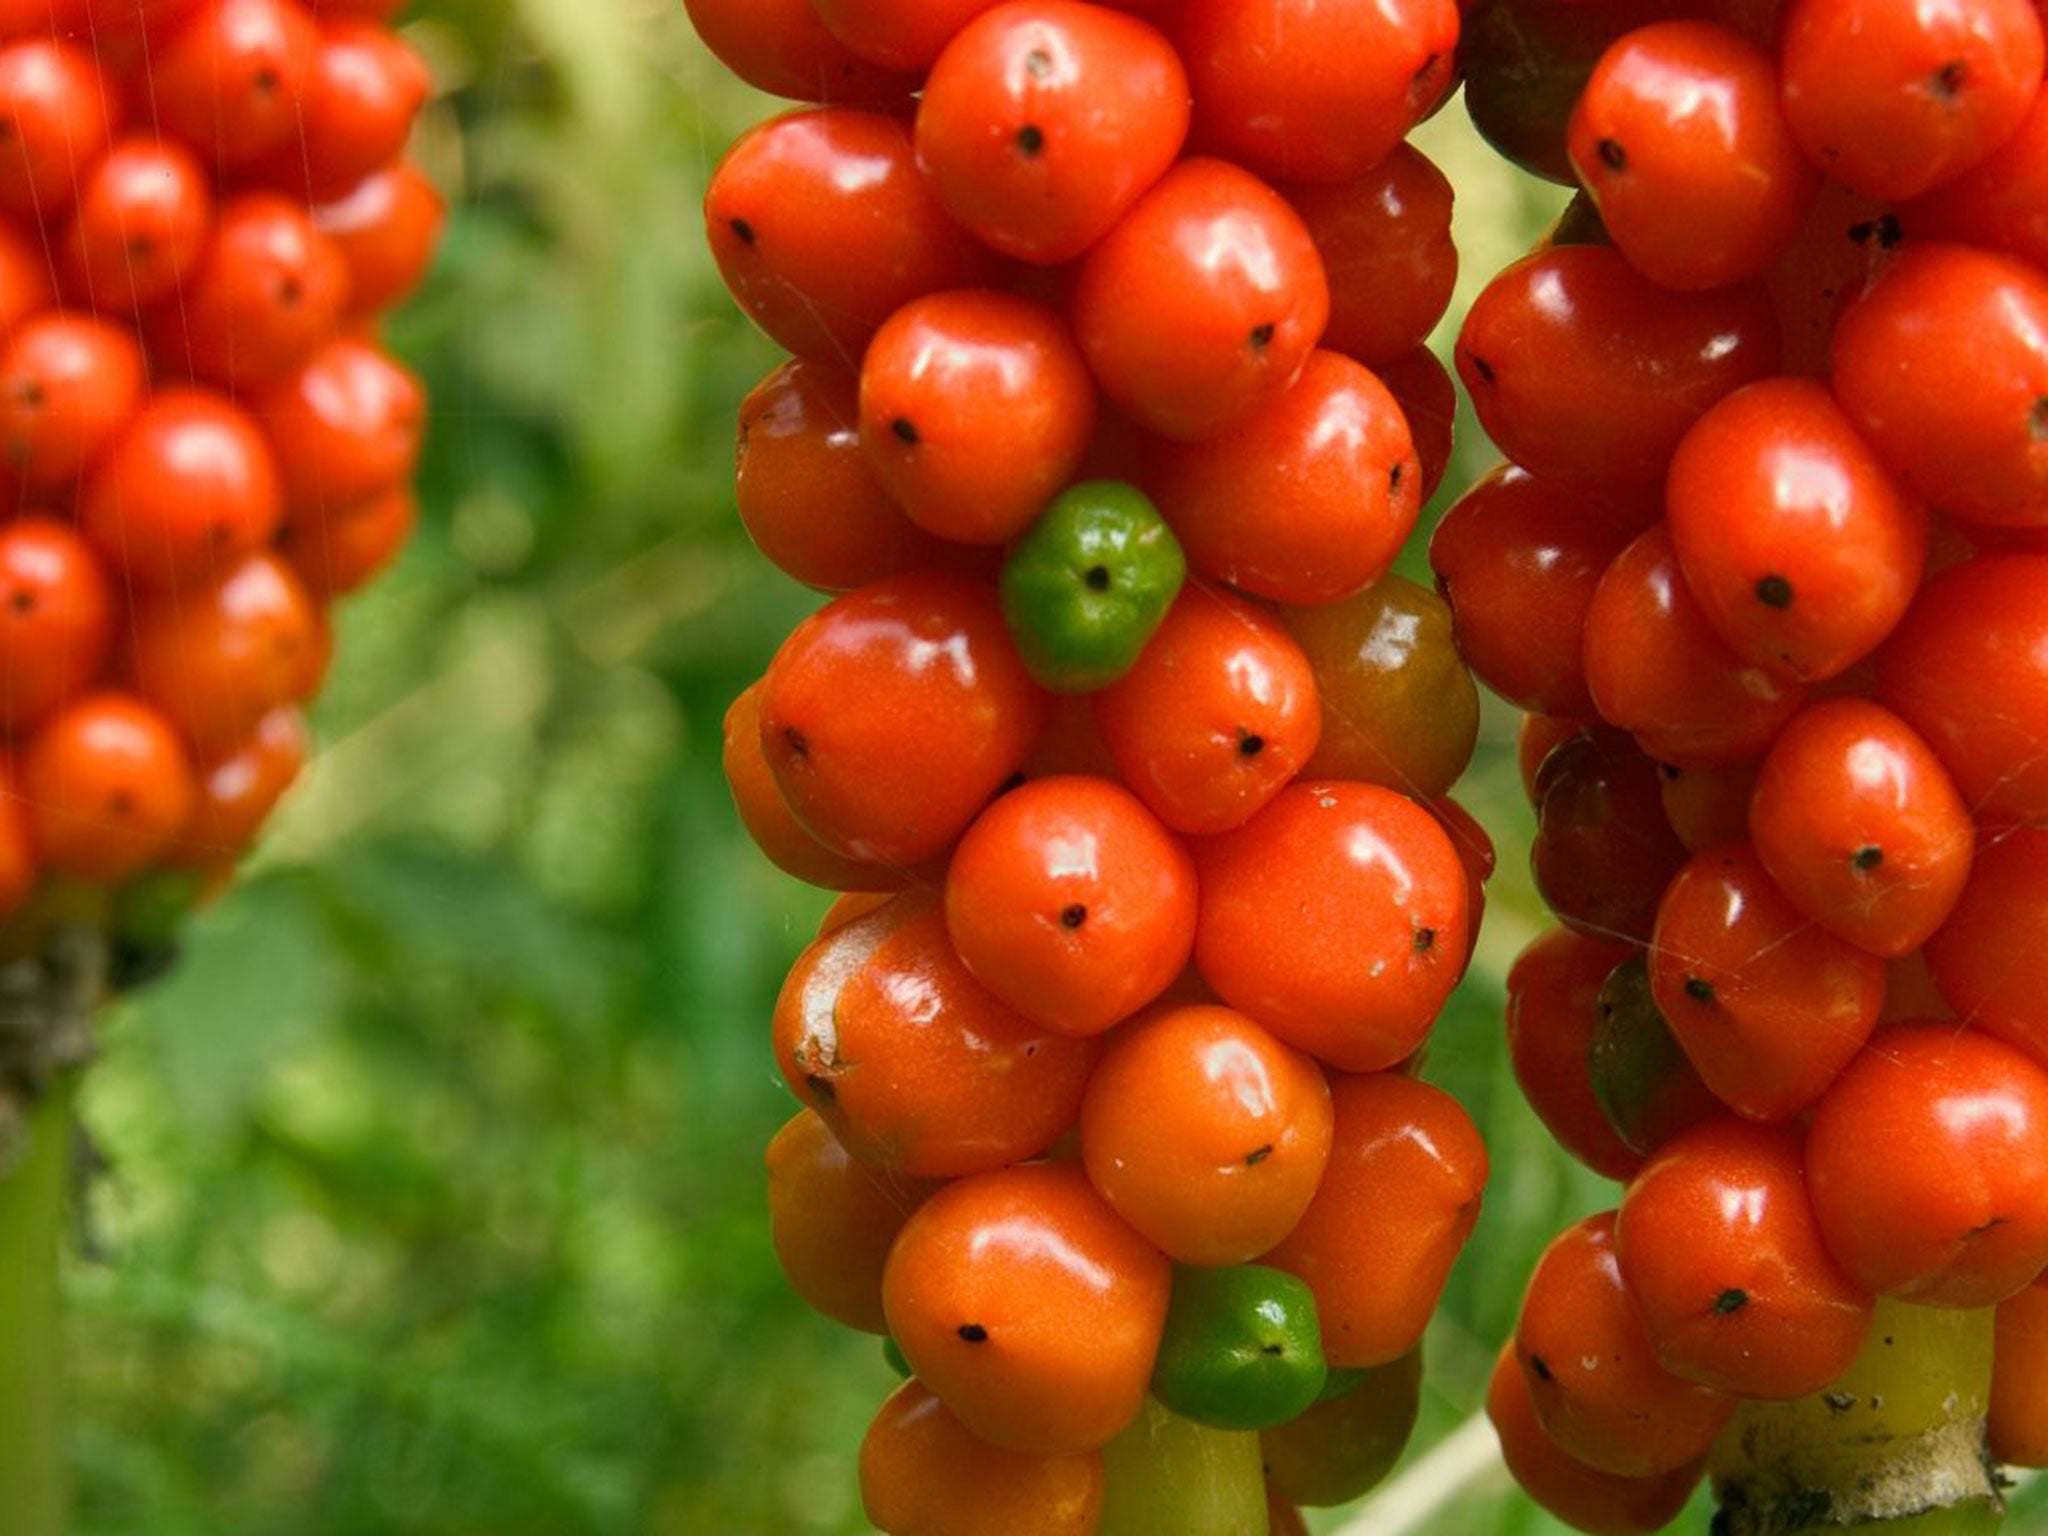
point(1044, 120)
point(2001, 203)
point(140, 227)
point(1218, 713)
point(782, 839)
point(216, 659)
point(386, 227)
point(268, 291)
point(1679, 140)
point(1205, 1133)
point(1942, 365)
point(2017, 1420)
point(68, 384)
point(1087, 586)
point(1968, 670)
point(1305, 92)
point(229, 80)
point(187, 490)
point(366, 89)
point(881, 1030)
point(1343, 1446)
point(1801, 548)
point(57, 617)
point(1984, 958)
point(1891, 98)
point(58, 114)
point(1723, 1257)
point(345, 426)
point(783, 47)
point(975, 410)
point(1861, 827)
point(1587, 373)
point(898, 34)
point(1552, 1013)
point(1400, 1196)
point(1385, 240)
point(1769, 1007)
point(1657, 669)
point(947, 714)
point(1647, 1089)
point(807, 495)
point(822, 227)
point(1202, 304)
point(338, 555)
point(1428, 396)
point(1337, 918)
point(1928, 1165)
point(833, 1220)
point(107, 786)
point(1068, 900)
point(923, 1473)
point(1592, 1371)
point(1242, 1349)
point(238, 789)
point(1603, 850)
point(1307, 500)
point(984, 1287)
point(1584, 1498)
point(1398, 706)
point(1518, 559)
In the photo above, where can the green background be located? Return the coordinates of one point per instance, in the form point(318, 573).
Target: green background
point(434, 1199)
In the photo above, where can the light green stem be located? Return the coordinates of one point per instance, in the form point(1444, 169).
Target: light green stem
point(34, 1489)
point(1895, 1448)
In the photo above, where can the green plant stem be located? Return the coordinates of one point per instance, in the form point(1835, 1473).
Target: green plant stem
point(1895, 1448)
point(34, 1492)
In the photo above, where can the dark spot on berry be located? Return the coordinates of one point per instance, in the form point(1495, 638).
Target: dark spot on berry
point(821, 1088)
point(1868, 857)
point(1271, 1349)
point(1730, 1300)
point(1541, 1367)
point(1038, 63)
point(1699, 991)
point(1258, 1155)
point(743, 230)
point(1394, 479)
point(1073, 916)
point(1984, 1226)
point(290, 291)
point(1612, 155)
point(1774, 592)
point(905, 429)
point(1262, 337)
point(1481, 367)
point(794, 738)
point(22, 600)
point(121, 803)
point(1097, 578)
point(266, 81)
point(1946, 83)
point(31, 394)
point(1250, 744)
point(974, 1333)
point(1671, 771)
point(1425, 940)
point(1030, 140)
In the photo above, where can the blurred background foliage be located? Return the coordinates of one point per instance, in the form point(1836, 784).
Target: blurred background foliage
point(434, 1201)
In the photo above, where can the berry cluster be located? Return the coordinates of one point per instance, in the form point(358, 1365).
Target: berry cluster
point(1769, 571)
point(1107, 415)
point(202, 212)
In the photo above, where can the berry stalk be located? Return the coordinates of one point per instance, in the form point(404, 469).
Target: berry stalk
point(33, 1484)
point(1896, 1446)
